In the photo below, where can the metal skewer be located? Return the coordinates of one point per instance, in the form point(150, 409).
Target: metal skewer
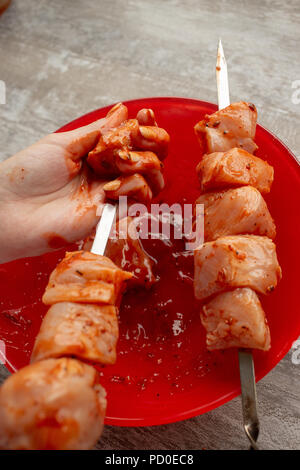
point(247, 374)
point(103, 229)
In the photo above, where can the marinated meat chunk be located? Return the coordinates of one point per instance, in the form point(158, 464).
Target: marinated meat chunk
point(233, 126)
point(132, 152)
point(129, 136)
point(127, 252)
point(86, 278)
point(236, 211)
point(235, 319)
point(236, 167)
point(236, 261)
point(85, 331)
point(52, 404)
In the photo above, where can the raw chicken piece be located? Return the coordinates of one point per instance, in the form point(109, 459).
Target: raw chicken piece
point(132, 152)
point(52, 404)
point(85, 331)
point(236, 261)
point(236, 167)
point(236, 211)
point(128, 136)
point(235, 319)
point(230, 127)
point(127, 252)
point(87, 278)
point(101, 158)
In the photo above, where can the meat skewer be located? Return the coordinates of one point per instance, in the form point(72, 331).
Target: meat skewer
point(246, 364)
point(57, 402)
point(238, 255)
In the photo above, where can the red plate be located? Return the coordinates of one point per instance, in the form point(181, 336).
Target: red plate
point(163, 372)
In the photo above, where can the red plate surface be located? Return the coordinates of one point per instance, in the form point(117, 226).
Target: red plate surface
point(163, 372)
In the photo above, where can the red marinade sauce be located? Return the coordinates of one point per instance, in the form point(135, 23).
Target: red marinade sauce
point(55, 241)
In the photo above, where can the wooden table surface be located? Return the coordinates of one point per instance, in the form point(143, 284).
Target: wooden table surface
point(61, 59)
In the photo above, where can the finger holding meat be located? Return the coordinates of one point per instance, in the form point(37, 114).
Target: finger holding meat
point(86, 278)
point(85, 331)
point(156, 181)
point(134, 186)
point(144, 163)
point(130, 162)
point(233, 126)
point(116, 115)
point(236, 167)
point(102, 157)
point(78, 142)
point(236, 261)
point(153, 139)
point(235, 319)
point(146, 117)
point(236, 211)
point(129, 136)
point(53, 404)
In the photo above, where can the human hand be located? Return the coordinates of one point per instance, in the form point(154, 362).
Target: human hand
point(132, 152)
point(48, 195)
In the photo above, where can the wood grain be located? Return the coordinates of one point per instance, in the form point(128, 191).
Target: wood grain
point(62, 59)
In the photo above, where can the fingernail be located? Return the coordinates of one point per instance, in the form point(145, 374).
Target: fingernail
point(112, 185)
point(151, 113)
point(124, 155)
point(114, 108)
point(147, 132)
point(134, 157)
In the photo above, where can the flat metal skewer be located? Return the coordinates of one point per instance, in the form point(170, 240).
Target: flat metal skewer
point(103, 229)
point(247, 373)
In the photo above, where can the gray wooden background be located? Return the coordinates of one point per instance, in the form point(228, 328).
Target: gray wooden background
point(63, 58)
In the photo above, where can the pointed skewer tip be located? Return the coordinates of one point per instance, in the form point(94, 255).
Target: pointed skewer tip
point(220, 54)
point(222, 78)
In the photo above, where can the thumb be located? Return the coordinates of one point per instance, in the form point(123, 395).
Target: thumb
point(81, 141)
